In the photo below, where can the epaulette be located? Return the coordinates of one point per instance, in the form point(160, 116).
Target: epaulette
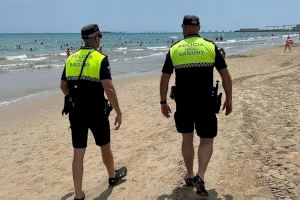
point(209, 40)
point(104, 54)
point(176, 43)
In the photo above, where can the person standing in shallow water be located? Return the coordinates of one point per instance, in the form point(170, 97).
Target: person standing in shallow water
point(85, 78)
point(68, 52)
point(194, 85)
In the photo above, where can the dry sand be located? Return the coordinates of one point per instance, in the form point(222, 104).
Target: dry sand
point(256, 154)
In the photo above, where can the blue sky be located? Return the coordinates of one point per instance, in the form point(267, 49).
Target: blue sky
point(22, 16)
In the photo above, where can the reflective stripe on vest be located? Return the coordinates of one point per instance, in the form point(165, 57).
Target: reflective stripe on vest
point(91, 69)
point(193, 52)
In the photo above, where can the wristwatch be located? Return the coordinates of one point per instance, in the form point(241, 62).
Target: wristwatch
point(163, 102)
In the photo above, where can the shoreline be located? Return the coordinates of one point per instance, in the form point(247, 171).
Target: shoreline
point(17, 100)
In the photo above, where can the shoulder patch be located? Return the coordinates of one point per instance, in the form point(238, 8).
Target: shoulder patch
point(176, 43)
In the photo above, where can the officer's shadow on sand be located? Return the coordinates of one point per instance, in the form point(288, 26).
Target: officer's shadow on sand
point(184, 193)
point(103, 196)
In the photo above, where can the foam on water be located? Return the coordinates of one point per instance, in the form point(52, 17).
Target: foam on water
point(151, 55)
point(20, 57)
point(158, 48)
point(35, 59)
point(136, 50)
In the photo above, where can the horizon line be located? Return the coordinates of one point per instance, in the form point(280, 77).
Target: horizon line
point(141, 32)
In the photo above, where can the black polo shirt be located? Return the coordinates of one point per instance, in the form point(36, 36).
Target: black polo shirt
point(194, 84)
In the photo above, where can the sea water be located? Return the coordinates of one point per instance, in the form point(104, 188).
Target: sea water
point(31, 64)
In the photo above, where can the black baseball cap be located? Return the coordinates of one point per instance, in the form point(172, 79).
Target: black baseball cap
point(191, 20)
point(89, 31)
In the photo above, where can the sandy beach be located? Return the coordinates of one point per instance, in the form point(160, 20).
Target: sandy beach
point(256, 152)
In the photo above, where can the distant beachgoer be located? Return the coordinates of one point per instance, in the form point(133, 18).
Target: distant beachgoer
point(68, 52)
point(217, 38)
point(221, 37)
point(42, 42)
point(288, 43)
point(222, 52)
point(30, 49)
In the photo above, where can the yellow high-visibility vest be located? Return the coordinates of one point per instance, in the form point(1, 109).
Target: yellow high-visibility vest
point(192, 52)
point(91, 69)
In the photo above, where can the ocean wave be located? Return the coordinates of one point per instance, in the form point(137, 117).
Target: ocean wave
point(26, 66)
point(251, 39)
point(13, 65)
point(136, 50)
point(41, 66)
point(35, 59)
point(151, 55)
point(20, 57)
point(120, 49)
point(57, 65)
point(19, 99)
point(291, 35)
point(158, 48)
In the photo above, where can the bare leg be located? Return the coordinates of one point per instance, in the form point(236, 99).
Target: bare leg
point(187, 150)
point(108, 160)
point(204, 154)
point(290, 49)
point(77, 168)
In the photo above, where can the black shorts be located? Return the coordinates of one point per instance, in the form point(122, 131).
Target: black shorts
point(205, 124)
point(80, 123)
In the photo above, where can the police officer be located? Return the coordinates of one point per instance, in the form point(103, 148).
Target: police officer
point(194, 59)
point(85, 78)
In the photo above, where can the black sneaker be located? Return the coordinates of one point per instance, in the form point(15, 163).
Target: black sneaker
point(188, 181)
point(199, 184)
point(120, 173)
